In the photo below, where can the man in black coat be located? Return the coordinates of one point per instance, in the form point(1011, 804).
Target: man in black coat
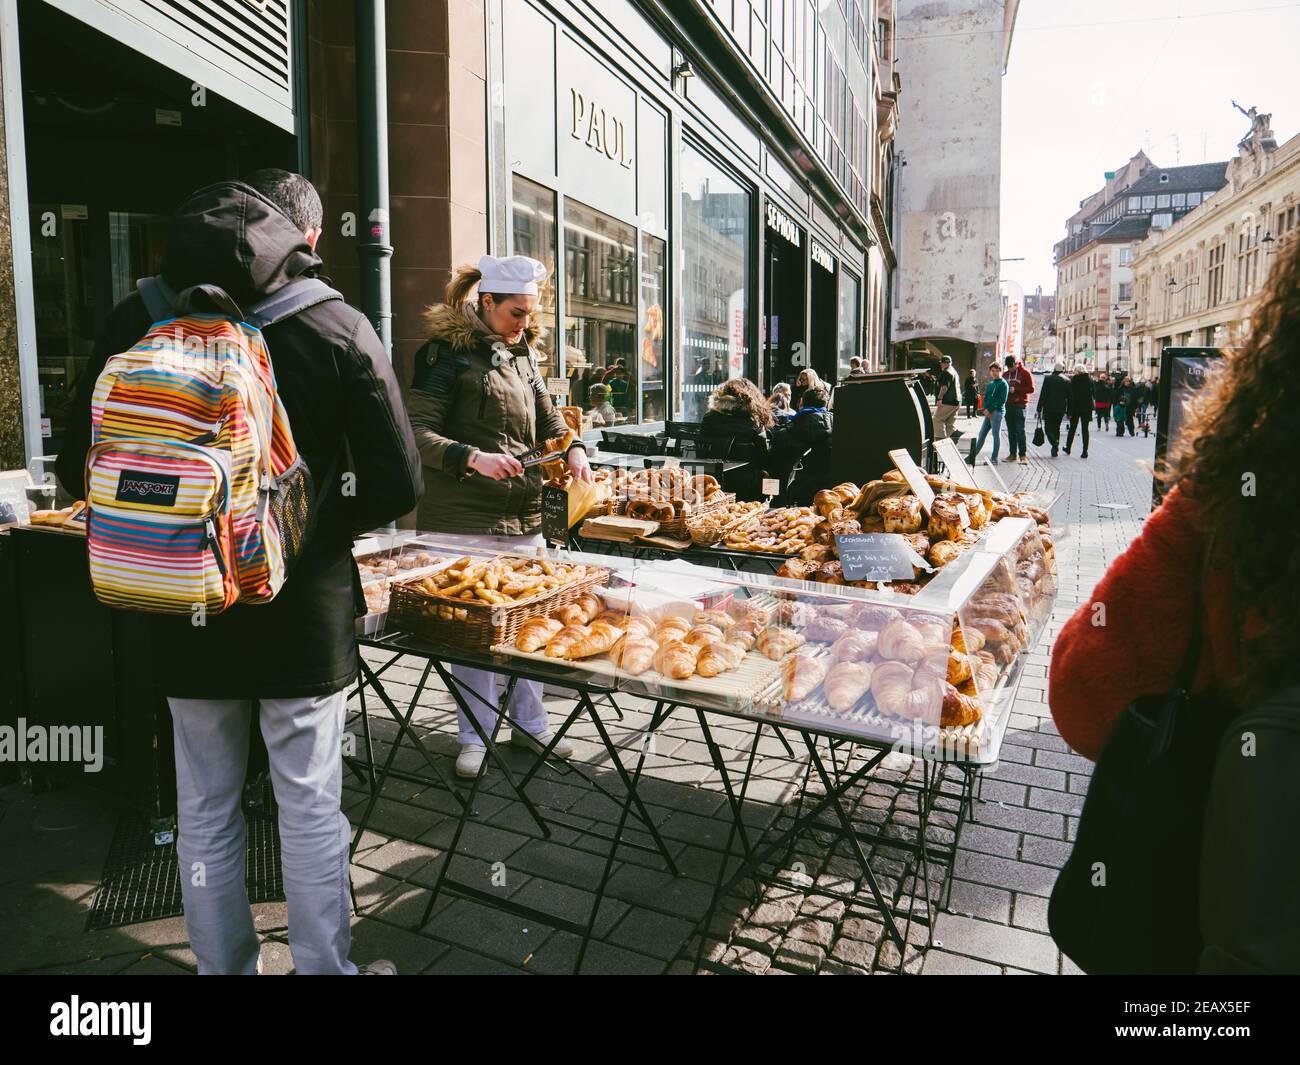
point(803, 449)
point(1053, 403)
point(293, 658)
point(1082, 400)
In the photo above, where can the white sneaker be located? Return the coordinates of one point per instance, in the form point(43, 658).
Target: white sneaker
point(470, 760)
point(537, 743)
point(382, 967)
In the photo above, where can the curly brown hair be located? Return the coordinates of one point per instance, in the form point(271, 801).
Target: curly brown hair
point(748, 396)
point(1236, 458)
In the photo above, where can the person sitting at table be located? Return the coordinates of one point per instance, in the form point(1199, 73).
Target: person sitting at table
point(602, 411)
point(477, 402)
point(780, 403)
point(801, 449)
point(737, 410)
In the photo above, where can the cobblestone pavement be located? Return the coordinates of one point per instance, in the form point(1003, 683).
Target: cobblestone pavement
point(810, 915)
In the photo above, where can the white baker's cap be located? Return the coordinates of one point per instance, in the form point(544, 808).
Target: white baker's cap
point(513, 274)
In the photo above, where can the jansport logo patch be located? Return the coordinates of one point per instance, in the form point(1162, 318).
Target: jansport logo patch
point(136, 486)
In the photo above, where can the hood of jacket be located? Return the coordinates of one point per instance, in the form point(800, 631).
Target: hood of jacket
point(448, 324)
point(729, 405)
point(229, 234)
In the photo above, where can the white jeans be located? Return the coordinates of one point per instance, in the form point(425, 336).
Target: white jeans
point(303, 741)
point(525, 710)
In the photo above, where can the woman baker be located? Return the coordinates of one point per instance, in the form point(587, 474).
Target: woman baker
point(477, 402)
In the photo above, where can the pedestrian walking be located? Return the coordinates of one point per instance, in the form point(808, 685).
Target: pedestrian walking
point(477, 402)
point(1102, 394)
point(1082, 404)
point(994, 407)
point(286, 663)
point(1123, 407)
point(1053, 405)
point(1203, 601)
point(947, 401)
point(1020, 384)
point(969, 391)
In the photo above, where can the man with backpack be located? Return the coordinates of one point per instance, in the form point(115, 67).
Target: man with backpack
point(271, 630)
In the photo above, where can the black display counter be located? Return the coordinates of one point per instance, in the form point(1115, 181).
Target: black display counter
point(875, 414)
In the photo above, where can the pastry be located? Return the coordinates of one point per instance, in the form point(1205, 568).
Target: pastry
point(800, 675)
point(825, 501)
point(734, 653)
point(675, 660)
point(902, 692)
point(672, 628)
point(613, 617)
point(919, 542)
point(639, 625)
point(901, 642)
point(948, 517)
point(719, 619)
point(701, 635)
point(901, 514)
point(816, 554)
point(871, 616)
point(847, 491)
point(958, 667)
point(824, 628)
point(747, 609)
point(934, 632)
point(600, 637)
point(958, 709)
point(967, 640)
point(829, 573)
point(536, 633)
point(745, 633)
point(893, 475)
point(634, 654)
point(872, 523)
point(776, 643)
point(793, 614)
point(854, 647)
point(797, 569)
point(563, 641)
point(847, 527)
point(943, 552)
point(846, 683)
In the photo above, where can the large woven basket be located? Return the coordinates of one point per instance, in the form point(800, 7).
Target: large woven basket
point(471, 625)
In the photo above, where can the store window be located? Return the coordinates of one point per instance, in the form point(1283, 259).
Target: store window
point(533, 220)
point(715, 219)
point(850, 334)
point(654, 257)
point(601, 359)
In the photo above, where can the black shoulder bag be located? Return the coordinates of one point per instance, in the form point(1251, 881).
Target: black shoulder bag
point(1126, 901)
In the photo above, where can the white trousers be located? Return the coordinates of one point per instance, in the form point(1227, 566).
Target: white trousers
point(303, 739)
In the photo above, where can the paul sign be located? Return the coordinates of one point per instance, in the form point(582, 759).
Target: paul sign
point(600, 129)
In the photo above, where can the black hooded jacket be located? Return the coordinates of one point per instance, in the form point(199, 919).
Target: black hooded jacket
point(347, 417)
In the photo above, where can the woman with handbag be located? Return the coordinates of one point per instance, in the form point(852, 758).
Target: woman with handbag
point(1191, 627)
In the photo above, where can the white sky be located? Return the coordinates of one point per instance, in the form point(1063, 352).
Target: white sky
point(1079, 98)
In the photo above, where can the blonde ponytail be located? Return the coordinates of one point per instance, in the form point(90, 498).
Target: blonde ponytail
point(462, 282)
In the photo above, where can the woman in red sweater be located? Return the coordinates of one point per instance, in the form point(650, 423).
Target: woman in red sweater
point(1232, 484)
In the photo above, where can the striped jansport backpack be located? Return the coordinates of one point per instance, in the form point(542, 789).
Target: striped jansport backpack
point(196, 495)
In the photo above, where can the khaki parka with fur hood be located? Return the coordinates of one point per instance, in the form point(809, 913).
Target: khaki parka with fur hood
point(471, 392)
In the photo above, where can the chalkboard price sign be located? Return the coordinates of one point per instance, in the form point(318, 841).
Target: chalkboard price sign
point(877, 557)
point(555, 515)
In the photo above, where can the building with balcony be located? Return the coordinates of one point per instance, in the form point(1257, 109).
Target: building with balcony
point(1198, 280)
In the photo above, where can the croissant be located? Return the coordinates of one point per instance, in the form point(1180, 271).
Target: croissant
point(870, 616)
point(719, 619)
point(902, 692)
point(711, 661)
point(776, 643)
point(673, 628)
point(901, 642)
point(635, 654)
point(702, 635)
point(562, 642)
point(935, 633)
point(536, 633)
point(570, 614)
point(958, 667)
point(986, 670)
point(943, 552)
point(854, 647)
point(824, 629)
point(589, 605)
point(612, 617)
point(675, 660)
point(967, 640)
point(734, 653)
point(993, 630)
point(800, 675)
point(958, 709)
point(793, 614)
point(639, 625)
point(825, 501)
point(748, 610)
point(745, 634)
point(846, 683)
point(847, 491)
point(600, 637)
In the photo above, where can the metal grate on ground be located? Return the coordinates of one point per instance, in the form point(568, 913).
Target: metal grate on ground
point(141, 880)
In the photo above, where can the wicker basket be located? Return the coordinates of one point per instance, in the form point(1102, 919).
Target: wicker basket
point(471, 625)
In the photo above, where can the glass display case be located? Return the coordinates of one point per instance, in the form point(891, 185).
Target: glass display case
point(931, 673)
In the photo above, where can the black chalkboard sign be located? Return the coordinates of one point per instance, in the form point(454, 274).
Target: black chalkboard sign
point(877, 557)
point(555, 515)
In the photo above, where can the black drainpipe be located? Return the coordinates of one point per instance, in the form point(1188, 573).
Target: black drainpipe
point(372, 144)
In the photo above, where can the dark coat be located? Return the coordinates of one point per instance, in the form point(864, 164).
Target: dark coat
point(725, 419)
point(803, 448)
point(1102, 392)
point(465, 398)
point(969, 390)
point(346, 413)
point(1081, 395)
point(1054, 396)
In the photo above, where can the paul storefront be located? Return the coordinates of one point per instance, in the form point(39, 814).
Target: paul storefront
point(683, 250)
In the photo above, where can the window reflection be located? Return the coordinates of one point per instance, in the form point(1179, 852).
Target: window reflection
point(654, 253)
point(600, 320)
point(714, 300)
point(534, 236)
point(850, 335)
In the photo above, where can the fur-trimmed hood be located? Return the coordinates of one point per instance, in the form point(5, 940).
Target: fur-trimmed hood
point(725, 404)
point(450, 325)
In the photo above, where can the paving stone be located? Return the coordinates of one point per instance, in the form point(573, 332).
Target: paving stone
point(1060, 802)
point(797, 956)
point(656, 934)
point(990, 840)
point(1001, 872)
point(941, 963)
point(832, 967)
point(812, 930)
point(1030, 912)
point(828, 909)
point(997, 943)
point(980, 900)
point(559, 953)
point(861, 929)
point(1020, 819)
point(755, 937)
point(1046, 851)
